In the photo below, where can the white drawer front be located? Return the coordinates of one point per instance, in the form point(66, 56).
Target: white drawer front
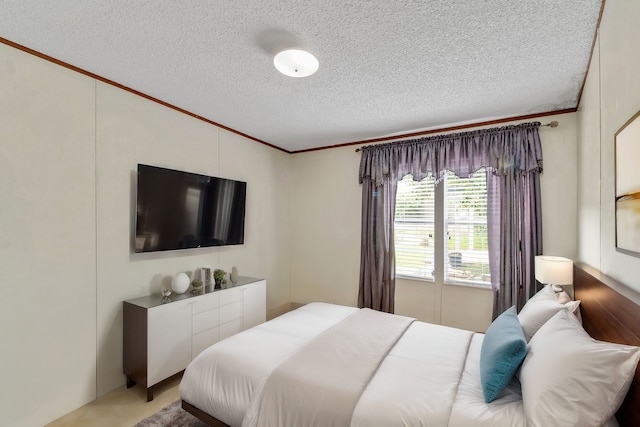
point(169, 332)
point(255, 310)
point(205, 320)
point(228, 296)
point(230, 328)
point(206, 302)
point(231, 312)
point(203, 340)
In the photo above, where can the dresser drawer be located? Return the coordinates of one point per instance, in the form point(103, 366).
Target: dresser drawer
point(203, 340)
point(230, 328)
point(206, 302)
point(205, 320)
point(231, 295)
point(231, 312)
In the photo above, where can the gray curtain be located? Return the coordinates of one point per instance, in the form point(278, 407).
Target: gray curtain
point(509, 153)
point(515, 237)
point(377, 249)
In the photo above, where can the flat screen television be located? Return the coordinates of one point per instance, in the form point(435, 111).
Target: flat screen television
point(181, 210)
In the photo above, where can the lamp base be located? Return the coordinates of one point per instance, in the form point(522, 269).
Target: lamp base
point(557, 288)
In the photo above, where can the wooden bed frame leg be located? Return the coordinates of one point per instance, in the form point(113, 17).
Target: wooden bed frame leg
point(202, 416)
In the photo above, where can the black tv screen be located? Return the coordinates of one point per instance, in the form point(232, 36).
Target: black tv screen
point(181, 210)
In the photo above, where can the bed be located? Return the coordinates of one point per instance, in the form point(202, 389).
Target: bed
point(285, 371)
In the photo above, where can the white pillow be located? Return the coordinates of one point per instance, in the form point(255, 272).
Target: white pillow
point(540, 308)
point(574, 307)
point(570, 379)
point(571, 305)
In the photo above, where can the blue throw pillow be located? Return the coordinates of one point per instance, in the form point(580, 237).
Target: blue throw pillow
point(503, 350)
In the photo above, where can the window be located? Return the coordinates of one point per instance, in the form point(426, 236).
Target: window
point(441, 230)
point(414, 228)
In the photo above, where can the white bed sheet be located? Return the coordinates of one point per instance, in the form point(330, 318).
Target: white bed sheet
point(430, 378)
point(416, 384)
point(470, 409)
point(222, 379)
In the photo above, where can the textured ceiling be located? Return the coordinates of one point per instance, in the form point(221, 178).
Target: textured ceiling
point(386, 67)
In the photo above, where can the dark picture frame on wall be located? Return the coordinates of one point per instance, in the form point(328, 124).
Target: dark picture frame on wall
point(627, 186)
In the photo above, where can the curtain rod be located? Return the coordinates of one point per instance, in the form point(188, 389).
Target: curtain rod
point(553, 124)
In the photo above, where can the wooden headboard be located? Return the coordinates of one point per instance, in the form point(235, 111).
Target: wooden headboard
point(611, 312)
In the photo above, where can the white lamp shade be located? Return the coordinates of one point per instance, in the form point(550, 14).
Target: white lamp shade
point(296, 63)
point(554, 270)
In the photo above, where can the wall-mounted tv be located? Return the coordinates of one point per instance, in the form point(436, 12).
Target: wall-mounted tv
point(181, 210)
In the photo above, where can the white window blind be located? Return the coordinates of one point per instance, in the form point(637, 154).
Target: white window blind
point(462, 204)
point(414, 228)
point(467, 257)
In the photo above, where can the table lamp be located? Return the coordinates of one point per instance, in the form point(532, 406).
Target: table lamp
point(554, 271)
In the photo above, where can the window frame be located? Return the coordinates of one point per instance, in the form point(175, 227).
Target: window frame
point(440, 243)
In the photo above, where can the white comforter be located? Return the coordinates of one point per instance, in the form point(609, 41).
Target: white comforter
point(430, 378)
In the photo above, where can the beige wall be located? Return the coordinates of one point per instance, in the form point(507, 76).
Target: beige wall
point(589, 165)
point(267, 248)
point(325, 247)
point(47, 239)
point(559, 186)
point(68, 155)
point(325, 256)
point(612, 96)
point(132, 130)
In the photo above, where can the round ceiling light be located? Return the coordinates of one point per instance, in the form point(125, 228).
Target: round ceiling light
point(296, 63)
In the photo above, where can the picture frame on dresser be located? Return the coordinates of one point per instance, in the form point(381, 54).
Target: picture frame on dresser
point(161, 335)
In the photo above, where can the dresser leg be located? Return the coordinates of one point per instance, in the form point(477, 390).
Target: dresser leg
point(130, 382)
point(149, 394)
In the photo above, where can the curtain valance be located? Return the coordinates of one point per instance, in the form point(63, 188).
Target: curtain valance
point(503, 149)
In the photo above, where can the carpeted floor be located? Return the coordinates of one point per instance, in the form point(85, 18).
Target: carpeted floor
point(172, 415)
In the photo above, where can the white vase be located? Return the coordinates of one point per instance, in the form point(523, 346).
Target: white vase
point(180, 283)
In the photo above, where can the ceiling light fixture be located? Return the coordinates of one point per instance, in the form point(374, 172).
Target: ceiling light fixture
point(296, 63)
